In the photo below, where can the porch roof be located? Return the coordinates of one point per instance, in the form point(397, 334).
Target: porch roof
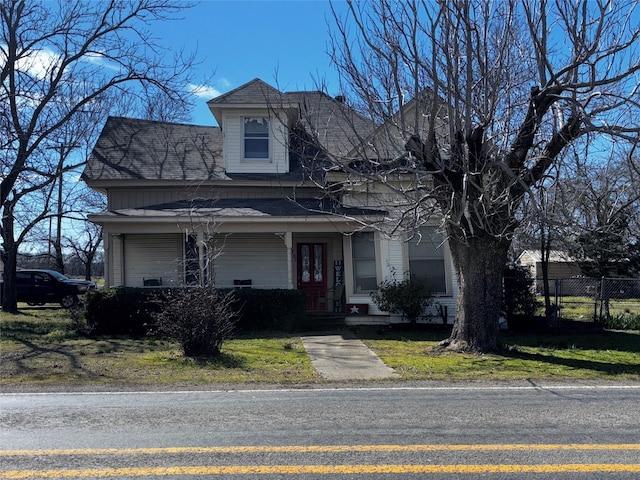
point(245, 208)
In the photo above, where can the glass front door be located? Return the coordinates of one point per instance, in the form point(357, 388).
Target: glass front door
point(312, 272)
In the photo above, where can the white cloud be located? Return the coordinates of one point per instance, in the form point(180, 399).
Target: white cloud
point(225, 84)
point(100, 59)
point(204, 91)
point(38, 63)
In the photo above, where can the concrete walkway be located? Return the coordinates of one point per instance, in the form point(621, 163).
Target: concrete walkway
point(341, 356)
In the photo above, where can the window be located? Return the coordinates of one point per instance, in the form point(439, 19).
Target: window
point(311, 263)
point(40, 278)
point(256, 138)
point(426, 258)
point(363, 249)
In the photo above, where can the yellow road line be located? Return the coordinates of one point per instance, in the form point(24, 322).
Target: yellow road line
point(323, 449)
point(320, 470)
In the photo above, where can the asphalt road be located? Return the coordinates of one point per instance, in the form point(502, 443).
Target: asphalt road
point(494, 432)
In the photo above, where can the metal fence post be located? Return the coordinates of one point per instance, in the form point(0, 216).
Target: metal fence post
point(558, 296)
point(602, 293)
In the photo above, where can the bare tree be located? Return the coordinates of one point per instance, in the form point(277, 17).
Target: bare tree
point(86, 246)
point(606, 200)
point(84, 238)
point(483, 98)
point(61, 60)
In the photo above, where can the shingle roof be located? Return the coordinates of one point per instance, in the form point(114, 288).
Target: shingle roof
point(245, 207)
point(255, 92)
point(555, 256)
point(142, 149)
point(130, 149)
point(336, 126)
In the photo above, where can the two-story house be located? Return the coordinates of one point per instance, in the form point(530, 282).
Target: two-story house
point(239, 205)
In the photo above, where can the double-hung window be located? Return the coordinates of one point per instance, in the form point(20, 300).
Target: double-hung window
point(256, 138)
point(363, 252)
point(426, 259)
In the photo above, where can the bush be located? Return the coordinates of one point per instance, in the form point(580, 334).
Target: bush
point(120, 311)
point(130, 311)
point(409, 297)
point(199, 318)
point(623, 322)
point(519, 299)
point(270, 309)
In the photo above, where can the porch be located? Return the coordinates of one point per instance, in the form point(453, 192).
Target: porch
point(308, 261)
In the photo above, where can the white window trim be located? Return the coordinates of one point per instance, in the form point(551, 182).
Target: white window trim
point(352, 280)
point(447, 267)
point(269, 156)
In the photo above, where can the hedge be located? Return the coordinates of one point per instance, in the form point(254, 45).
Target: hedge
point(130, 310)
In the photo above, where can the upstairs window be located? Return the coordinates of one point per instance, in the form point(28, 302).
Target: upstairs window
point(426, 259)
point(256, 138)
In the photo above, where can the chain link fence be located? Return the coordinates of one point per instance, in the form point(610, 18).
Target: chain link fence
point(593, 300)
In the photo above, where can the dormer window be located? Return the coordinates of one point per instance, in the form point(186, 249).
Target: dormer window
point(256, 138)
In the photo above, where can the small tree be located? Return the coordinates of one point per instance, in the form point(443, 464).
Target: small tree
point(519, 297)
point(409, 297)
point(200, 318)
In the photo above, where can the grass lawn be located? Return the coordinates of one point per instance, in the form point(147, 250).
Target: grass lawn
point(40, 347)
point(584, 308)
point(605, 355)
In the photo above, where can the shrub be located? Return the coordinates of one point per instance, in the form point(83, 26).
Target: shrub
point(120, 311)
point(623, 322)
point(270, 309)
point(519, 299)
point(409, 297)
point(199, 318)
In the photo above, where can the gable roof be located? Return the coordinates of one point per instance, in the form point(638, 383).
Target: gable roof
point(134, 149)
point(143, 149)
point(255, 92)
point(555, 256)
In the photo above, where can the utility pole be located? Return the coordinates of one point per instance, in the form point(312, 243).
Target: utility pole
point(63, 151)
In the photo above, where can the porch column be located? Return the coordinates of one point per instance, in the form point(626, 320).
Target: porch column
point(287, 237)
point(106, 261)
point(202, 259)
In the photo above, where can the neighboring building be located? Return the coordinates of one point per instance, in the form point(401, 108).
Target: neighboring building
point(561, 266)
point(176, 192)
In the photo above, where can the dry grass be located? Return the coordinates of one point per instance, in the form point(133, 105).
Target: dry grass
point(40, 347)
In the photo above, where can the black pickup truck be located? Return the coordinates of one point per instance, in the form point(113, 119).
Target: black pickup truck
point(37, 287)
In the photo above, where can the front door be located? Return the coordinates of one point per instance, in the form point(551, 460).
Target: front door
point(312, 272)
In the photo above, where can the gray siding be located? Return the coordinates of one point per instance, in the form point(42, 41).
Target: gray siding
point(143, 197)
point(153, 256)
point(261, 258)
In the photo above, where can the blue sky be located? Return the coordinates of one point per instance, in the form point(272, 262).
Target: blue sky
point(284, 43)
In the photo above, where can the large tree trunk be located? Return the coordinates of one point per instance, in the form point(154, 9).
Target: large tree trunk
point(479, 264)
point(10, 258)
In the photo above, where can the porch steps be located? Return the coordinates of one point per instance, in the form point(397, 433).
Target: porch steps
point(324, 321)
